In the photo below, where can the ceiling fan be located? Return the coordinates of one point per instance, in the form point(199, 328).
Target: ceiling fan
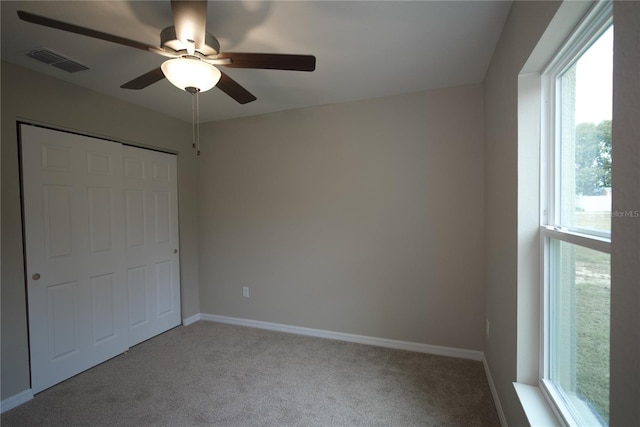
point(192, 53)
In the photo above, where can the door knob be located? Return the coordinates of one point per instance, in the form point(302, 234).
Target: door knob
point(175, 251)
point(35, 276)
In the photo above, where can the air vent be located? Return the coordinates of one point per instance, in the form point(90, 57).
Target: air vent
point(52, 58)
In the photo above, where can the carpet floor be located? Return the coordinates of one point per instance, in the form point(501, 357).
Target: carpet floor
point(213, 374)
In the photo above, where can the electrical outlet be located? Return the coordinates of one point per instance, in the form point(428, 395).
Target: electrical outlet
point(245, 291)
point(487, 326)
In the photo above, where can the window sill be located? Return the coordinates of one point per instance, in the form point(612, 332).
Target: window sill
point(535, 406)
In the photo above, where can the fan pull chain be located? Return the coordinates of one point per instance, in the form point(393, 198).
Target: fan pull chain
point(195, 117)
point(193, 121)
point(198, 121)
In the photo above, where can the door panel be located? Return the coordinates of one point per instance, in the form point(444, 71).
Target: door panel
point(163, 283)
point(76, 267)
point(138, 295)
point(100, 219)
point(151, 206)
point(134, 205)
point(62, 311)
point(57, 220)
point(103, 307)
point(162, 217)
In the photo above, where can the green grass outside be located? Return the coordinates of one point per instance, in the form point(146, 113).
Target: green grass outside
point(594, 220)
point(593, 297)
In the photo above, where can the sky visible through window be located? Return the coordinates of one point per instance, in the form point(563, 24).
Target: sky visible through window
point(594, 85)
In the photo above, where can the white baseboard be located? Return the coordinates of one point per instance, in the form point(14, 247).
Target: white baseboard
point(15, 400)
point(494, 393)
point(191, 319)
point(360, 339)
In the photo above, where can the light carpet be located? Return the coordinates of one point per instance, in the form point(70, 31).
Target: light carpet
point(212, 374)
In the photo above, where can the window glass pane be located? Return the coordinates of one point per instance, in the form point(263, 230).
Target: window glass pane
point(585, 138)
point(579, 301)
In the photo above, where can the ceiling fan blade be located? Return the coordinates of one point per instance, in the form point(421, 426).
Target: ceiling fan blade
point(190, 21)
point(234, 90)
point(272, 61)
point(72, 28)
point(145, 80)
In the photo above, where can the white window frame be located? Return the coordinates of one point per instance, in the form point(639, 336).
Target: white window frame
point(599, 18)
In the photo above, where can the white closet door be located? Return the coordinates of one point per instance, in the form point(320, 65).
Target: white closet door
point(151, 218)
point(75, 247)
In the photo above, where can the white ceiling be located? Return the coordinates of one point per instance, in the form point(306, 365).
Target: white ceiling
point(364, 49)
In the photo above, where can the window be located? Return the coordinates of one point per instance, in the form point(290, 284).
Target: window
point(576, 222)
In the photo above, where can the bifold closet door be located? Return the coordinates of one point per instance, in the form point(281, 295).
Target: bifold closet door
point(151, 218)
point(101, 244)
point(75, 252)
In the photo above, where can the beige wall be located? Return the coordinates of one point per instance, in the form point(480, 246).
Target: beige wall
point(525, 24)
point(362, 218)
point(34, 97)
point(625, 230)
point(383, 218)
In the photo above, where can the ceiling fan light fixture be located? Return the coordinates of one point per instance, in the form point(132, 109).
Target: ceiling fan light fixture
point(191, 73)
